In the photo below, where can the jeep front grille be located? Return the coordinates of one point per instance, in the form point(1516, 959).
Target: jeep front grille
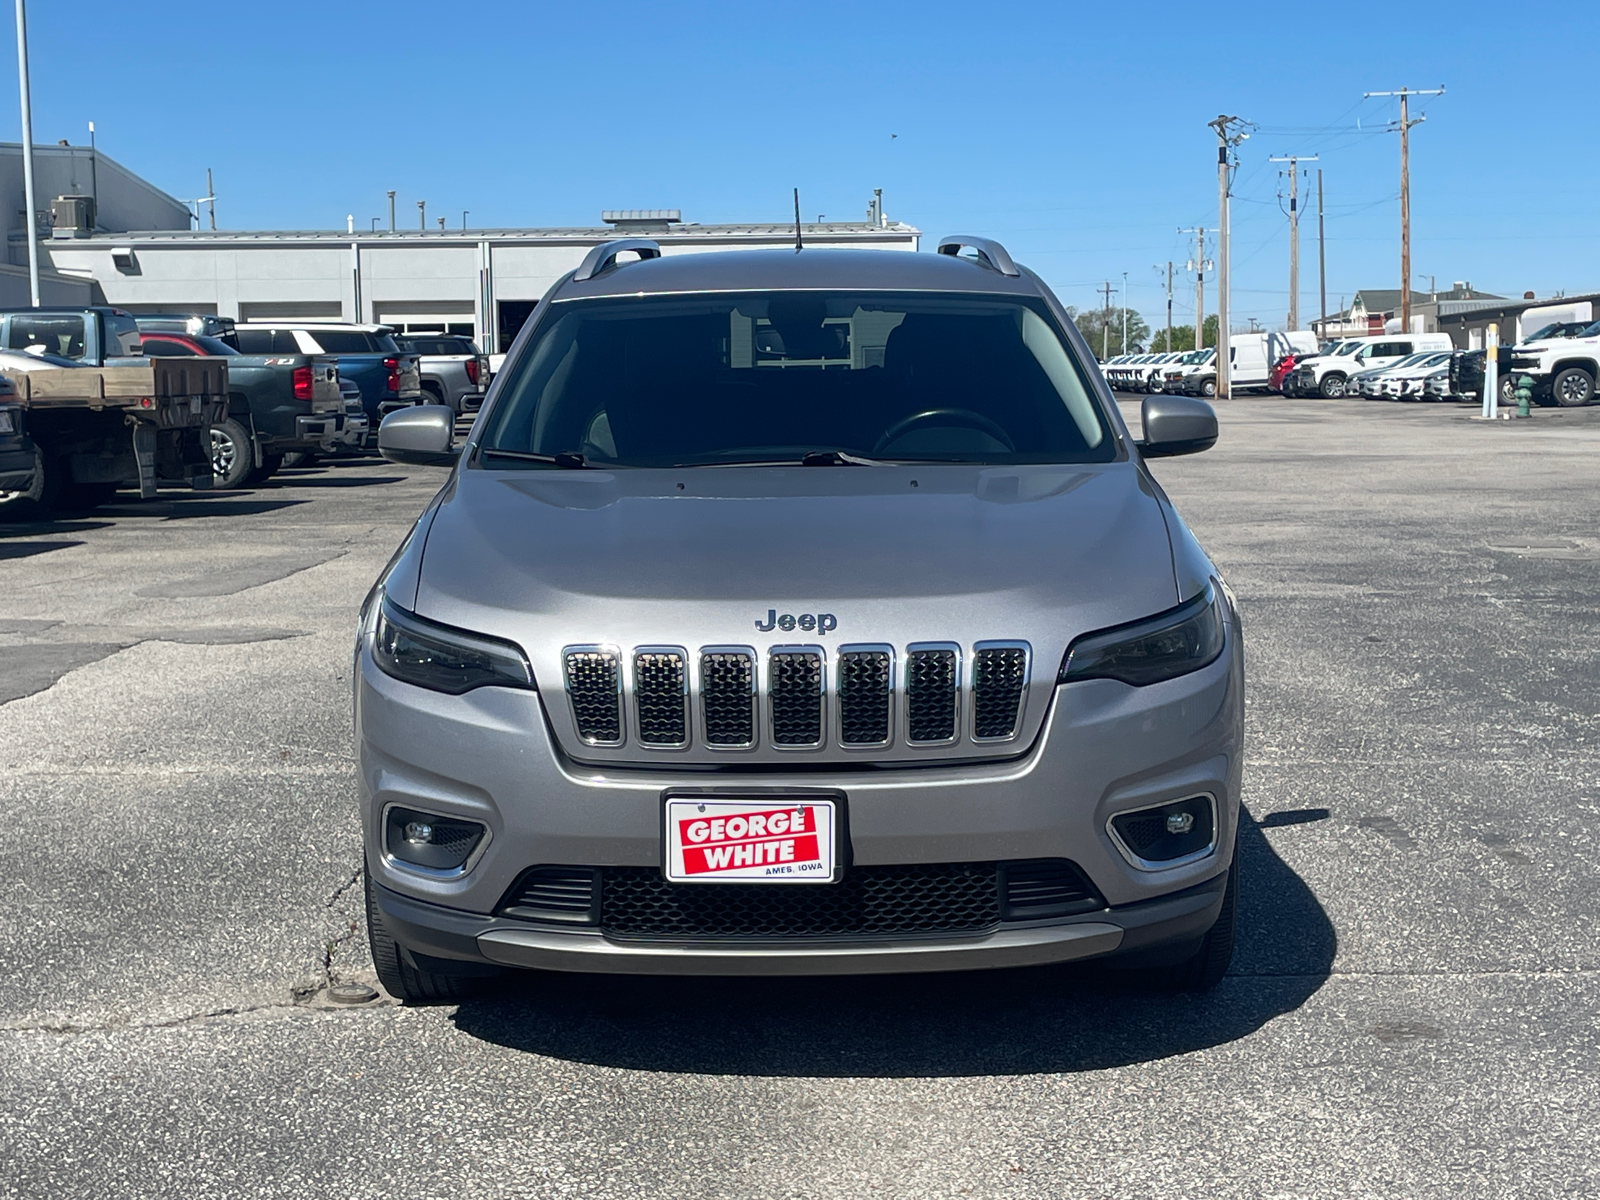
point(725, 698)
point(933, 676)
point(797, 693)
point(594, 686)
point(866, 696)
point(661, 694)
point(999, 673)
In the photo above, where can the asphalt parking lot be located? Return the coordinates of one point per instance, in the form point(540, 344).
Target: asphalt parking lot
point(1411, 1012)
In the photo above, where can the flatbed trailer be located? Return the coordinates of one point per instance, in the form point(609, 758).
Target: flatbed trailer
point(96, 429)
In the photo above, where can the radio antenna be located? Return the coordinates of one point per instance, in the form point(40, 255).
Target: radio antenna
point(798, 244)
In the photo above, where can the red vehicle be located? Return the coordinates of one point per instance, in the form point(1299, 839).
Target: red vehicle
point(1280, 372)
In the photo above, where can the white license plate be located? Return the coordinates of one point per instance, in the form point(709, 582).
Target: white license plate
point(750, 841)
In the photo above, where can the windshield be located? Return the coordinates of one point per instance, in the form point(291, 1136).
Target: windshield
point(770, 377)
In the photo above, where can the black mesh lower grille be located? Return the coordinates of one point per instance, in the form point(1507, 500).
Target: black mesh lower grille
point(796, 697)
point(998, 676)
point(1046, 887)
point(592, 687)
point(727, 693)
point(864, 697)
point(565, 894)
point(931, 695)
point(660, 691)
point(636, 902)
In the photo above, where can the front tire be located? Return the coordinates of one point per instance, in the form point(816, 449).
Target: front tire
point(1573, 388)
point(1332, 387)
point(1208, 389)
point(1205, 969)
point(398, 974)
point(232, 454)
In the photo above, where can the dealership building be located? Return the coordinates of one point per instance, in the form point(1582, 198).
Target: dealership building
point(108, 237)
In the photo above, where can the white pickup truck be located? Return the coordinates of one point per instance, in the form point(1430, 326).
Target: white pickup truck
point(1563, 369)
point(1325, 374)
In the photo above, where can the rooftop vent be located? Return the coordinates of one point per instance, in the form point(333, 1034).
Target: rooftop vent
point(642, 218)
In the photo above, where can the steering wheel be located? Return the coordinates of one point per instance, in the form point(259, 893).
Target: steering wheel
point(963, 418)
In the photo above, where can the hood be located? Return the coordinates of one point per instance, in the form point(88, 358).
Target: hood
point(743, 556)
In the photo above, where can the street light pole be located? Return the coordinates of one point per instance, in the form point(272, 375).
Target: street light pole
point(31, 217)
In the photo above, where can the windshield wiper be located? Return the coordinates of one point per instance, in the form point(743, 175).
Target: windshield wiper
point(569, 459)
point(839, 458)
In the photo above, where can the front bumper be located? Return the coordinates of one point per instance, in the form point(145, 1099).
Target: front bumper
point(1154, 930)
point(1105, 748)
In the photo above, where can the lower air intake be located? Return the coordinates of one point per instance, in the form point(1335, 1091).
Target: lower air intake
point(565, 894)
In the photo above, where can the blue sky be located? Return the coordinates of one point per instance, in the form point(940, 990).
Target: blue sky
point(1074, 133)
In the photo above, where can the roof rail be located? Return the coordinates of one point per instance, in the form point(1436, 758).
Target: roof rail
point(991, 253)
point(602, 256)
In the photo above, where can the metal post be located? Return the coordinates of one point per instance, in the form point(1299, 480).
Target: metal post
point(422, 215)
point(94, 176)
point(211, 196)
point(32, 218)
point(391, 212)
point(1322, 261)
point(1405, 219)
point(1491, 372)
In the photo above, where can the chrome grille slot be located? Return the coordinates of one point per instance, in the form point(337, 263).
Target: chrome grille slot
point(795, 686)
point(999, 676)
point(661, 696)
point(865, 691)
point(932, 675)
point(728, 697)
point(594, 689)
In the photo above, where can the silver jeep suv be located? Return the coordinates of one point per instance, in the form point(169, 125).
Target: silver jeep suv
point(798, 613)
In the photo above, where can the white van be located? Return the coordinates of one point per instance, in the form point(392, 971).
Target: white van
point(1250, 359)
point(1325, 374)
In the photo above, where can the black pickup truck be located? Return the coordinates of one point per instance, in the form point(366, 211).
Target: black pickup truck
point(277, 403)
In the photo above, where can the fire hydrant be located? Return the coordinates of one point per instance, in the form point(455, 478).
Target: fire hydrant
point(1524, 394)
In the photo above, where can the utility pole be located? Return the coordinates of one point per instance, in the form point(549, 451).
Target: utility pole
point(1226, 140)
point(1294, 234)
point(1405, 192)
point(1168, 345)
point(1105, 326)
point(1198, 266)
point(32, 218)
point(1124, 312)
point(1322, 261)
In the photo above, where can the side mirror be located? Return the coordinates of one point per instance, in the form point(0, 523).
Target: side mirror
point(422, 436)
point(1177, 425)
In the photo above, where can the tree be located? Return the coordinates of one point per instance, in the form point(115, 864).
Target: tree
point(1108, 343)
point(1183, 336)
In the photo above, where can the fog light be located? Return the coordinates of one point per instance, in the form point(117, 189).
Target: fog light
point(1178, 822)
point(1167, 834)
point(443, 845)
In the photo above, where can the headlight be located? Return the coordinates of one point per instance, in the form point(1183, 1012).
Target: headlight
point(8, 423)
point(443, 659)
point(1185, 639)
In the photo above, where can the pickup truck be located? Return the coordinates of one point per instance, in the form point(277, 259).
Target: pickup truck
point(454, 372)
point(16, 447)
point(1325, 373)
point(93, 429)
point(1563, 368)
point(277, 404)
point(366, 355)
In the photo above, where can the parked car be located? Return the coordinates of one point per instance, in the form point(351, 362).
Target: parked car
point(1325, 374)
point(1563, 368)
point(1278, 380)
point(454, 372)
point(366, 355)
point(1405, 379)
point(277, 404)
point(660, 758)
point(193, 324)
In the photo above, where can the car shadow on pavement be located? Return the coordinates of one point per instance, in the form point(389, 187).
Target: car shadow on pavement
point(1012, 1022)
point(29, 549)
point(315, 480)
